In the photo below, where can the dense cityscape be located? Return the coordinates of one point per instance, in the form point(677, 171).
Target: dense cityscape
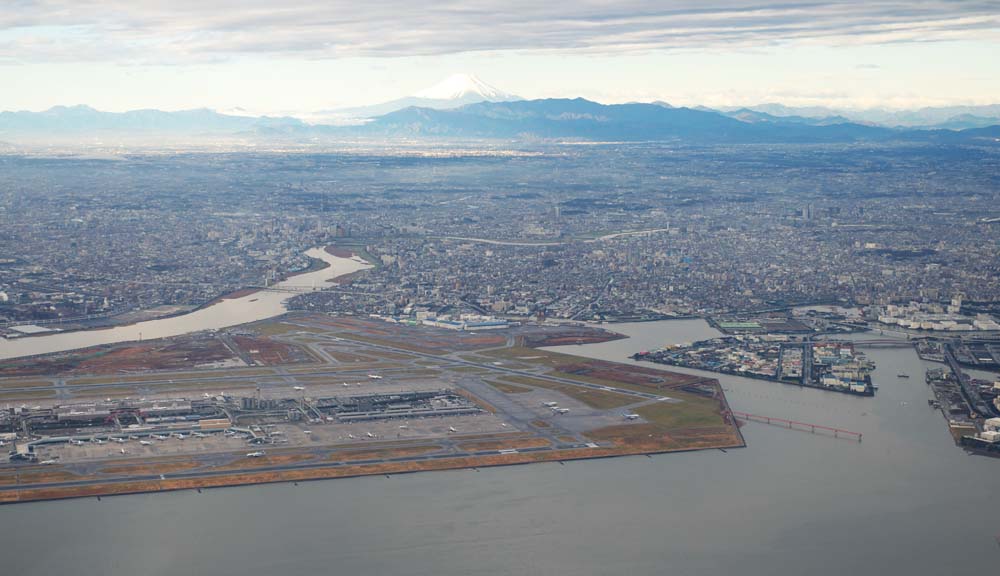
point(637, 231)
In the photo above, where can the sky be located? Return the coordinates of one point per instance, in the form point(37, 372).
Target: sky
point(296, 57)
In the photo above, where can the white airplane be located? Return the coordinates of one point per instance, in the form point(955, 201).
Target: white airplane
point(256, 454)
point(145, 442)
point(179, 436)
point(160, 437)
point(452, 429)
point(47, 462)
point(628, 416)
point(550, 404)
point(374, 377)
point(351, 436)
point(560, 410)
point(198, 435)
point(76, 442)
point(123, 451)
point(133, 437)
point(403, 427)
point(307, 432)
point(120, 440)
point(97, 441)
point(298, 388)
point(370, 435)
point(277, 433)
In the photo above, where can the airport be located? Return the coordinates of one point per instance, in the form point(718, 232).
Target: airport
point(368, 397)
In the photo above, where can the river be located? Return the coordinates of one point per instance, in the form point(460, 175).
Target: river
point(904, 501)
point(230, 312)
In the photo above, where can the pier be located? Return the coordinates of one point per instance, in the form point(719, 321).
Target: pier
point(795, 425)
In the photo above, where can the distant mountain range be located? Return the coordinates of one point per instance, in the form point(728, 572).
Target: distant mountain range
point(84, 121)
point(581, 119)
point(465, 107)
point(943, 117)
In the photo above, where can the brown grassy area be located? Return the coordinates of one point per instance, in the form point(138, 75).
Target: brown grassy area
point(45, 475)
point(19, 383)
point(692, 411)
point(279, 328)
point(28, 395)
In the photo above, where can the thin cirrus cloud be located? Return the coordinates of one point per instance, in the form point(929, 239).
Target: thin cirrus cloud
point(184, 31)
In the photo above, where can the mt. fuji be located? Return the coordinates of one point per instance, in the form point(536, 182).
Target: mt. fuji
point(452, 92)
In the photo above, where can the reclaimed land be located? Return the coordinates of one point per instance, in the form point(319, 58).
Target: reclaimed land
point(695, 419)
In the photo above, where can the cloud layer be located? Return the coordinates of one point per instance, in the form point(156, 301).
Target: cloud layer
point(185, 31)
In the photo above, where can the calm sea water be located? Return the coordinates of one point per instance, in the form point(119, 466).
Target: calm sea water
point(904, 501)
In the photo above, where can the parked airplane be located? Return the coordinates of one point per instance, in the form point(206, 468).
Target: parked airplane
point(560, 410)
point(351, 436)
point(629, 416)
point(123, 451)
point(179, 436)
point(452, 429)
point(298, 388)
point(257, 454)
point(133, 437)
point(550, 404)
point(374, 376)
point(145, 442)
point(76, 442)
point(160, 437)
point(198, 435)
point(120, 440)
point(97, 441)
point(370, 435)
point(47, 462)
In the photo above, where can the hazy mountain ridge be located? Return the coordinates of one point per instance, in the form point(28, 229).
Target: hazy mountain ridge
point(547, 119)
point(930, 117)
point(75, 120)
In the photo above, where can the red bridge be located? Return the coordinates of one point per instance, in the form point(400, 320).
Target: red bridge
point(793, 425)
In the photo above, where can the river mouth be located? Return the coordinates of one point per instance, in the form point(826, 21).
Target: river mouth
point(226, 312)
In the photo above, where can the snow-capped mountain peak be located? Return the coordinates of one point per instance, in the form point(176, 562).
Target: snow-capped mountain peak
point(461, 86)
